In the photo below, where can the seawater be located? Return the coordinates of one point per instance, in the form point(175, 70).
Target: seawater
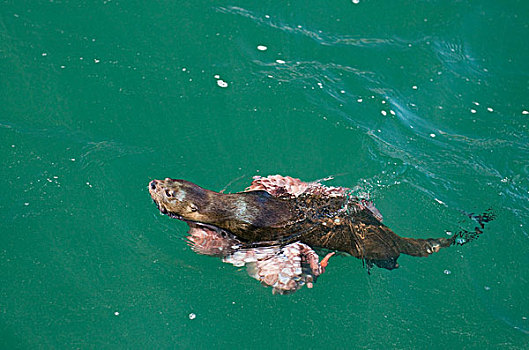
point(422, 105)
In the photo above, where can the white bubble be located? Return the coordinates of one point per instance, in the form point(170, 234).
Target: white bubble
point(96, 60)
point(439, 201)
point(414, 87)
point(355, 1)
point(447, 272)
point(262, 48)
point(384, 113)
point(359, 100)
point(476, 103)
point(280, 61)
point(222, 83)
point(392, 112)
point(490, 109)
point(473, 111)
point(26, 204)
point(486, 287)
point(44, 54)
point(525, 112)
point(432, 135)
point(116, 313)
point(192, 316)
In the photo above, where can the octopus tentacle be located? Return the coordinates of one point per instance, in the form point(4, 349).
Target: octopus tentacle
point(284, 268)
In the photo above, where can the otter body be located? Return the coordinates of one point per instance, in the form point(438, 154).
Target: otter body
point(318, 218)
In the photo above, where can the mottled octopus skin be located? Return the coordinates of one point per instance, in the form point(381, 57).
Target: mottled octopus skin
point(284, 268)
point(335, 222)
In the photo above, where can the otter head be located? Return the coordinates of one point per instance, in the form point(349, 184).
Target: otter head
point(180, 199)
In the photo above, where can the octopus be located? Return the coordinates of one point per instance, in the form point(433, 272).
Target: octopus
point(275, 226)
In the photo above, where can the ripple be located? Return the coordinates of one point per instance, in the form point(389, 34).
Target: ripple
point(319, 36)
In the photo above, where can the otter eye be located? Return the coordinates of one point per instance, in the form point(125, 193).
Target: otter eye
point(193, 207)
point(168, 193)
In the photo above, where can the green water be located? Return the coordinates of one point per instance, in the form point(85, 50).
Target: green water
point(419, 103)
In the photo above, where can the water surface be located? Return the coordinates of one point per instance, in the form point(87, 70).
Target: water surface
point(423, 105)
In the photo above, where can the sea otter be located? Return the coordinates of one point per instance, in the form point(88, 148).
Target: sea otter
point(273, 225)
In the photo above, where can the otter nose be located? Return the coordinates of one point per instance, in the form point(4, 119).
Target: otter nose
point(153, 184)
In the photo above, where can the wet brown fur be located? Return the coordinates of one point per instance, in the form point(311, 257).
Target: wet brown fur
point(337, 223)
